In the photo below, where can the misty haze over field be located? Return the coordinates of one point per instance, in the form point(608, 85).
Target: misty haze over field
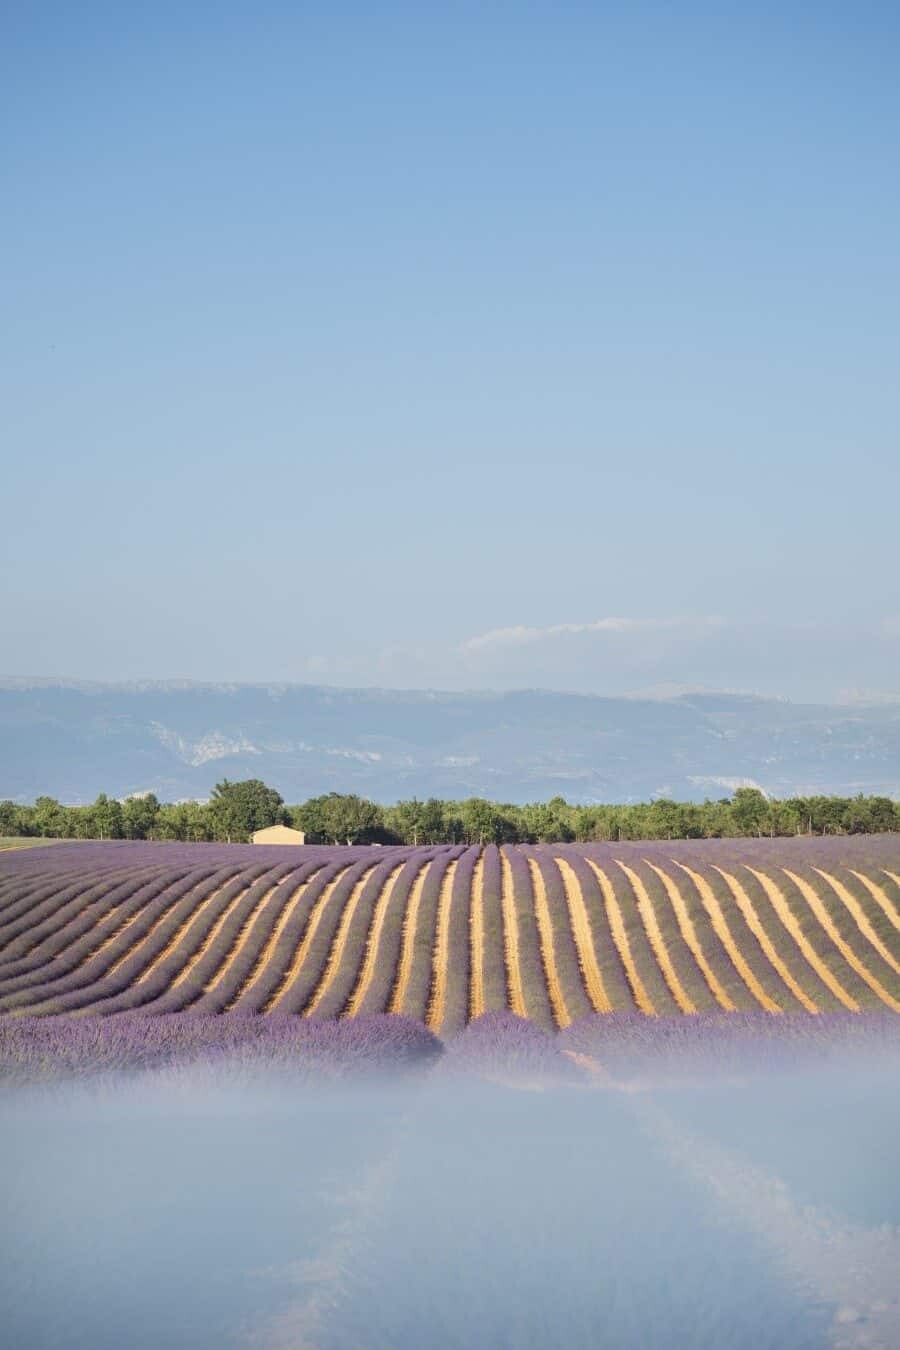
point(175, 1210)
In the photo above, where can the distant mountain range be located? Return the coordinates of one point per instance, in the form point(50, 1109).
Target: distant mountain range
point(73, 739)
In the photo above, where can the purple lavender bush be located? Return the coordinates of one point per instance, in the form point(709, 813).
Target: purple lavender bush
point(459, 957)
point(501, 1045)
point(48, 1049)
point(632, 1046)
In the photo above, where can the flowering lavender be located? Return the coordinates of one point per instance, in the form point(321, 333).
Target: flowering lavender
point(499, 1044)
point(717, 1044)
point(667, 929)
point(456, 976)
point(51, 1048)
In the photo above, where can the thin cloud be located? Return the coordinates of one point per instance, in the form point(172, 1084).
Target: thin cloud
point(521, 635)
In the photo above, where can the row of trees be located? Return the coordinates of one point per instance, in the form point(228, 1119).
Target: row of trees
point(235, 810)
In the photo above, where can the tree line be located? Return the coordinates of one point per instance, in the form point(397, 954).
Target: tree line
point(236, 809)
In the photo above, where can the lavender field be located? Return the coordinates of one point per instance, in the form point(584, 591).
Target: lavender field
point(441, 935)
point(638, 1095)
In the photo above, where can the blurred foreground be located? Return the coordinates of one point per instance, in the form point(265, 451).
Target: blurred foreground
point(504, 1194)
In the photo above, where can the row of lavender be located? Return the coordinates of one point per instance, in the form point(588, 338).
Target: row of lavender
point(611, 1051)
point(118, 927)
point(761, 956)
point(166, 942)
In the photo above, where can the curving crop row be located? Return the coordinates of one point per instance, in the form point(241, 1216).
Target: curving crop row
point(23, 933)
point(273, 968)
point(493, 955)
point(772, 971)
point(583, 933)
point(812, 969)
point(878, 893)
point(741, 986)
point(839, 930)
point(23, 895)
point(211, 942)
point(867, 922)
point(30, 903)
point(673, 956)
point(547, 938)
point(372, 991)
point(412, 997)
point(440, 958)
point(524, 950)
point(85, 934)
point(511, 943)
point(310, 959)
point(348, 949)
point(451, 996)
point(86, 909)
point(88, 961)
point(442, 935)
point(613, 966)
point(234, 975)
point(705, 947)
point(131, 965)
point(557, 939)
point(163, 982)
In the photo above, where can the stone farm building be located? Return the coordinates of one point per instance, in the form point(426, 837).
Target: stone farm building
point(278, 834)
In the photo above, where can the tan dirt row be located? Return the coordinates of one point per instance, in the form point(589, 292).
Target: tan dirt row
point(441, 956)
point(336, 954)
point(620, 937)
point(176, 939)
point(786, 915)
point(210, 938)
point(752, 919)
point(689, 933)
point(584, 938)
point(476, 939)
point(879, 895)
point(106, 942)
point(511, 940)
point(719, 923)
point(859, 918)
point(304, 945)
point(814, 900)
point(655, 937)
point(545, 930)
point(263, 959)
point(408, 948)
point(243, 938)
point(372, 943)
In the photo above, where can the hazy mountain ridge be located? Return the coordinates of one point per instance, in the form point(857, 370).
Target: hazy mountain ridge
point(74, 738)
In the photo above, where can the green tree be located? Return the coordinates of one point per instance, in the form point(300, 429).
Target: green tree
point(106, 816)
point(342, 818)
point(237, 809)
point(408, 820)
point(189, 822)
point(481, 821)
point(351, 819)
point(749, 810)
point(434, 828)
point(49, 818)
point(139, 815)
point(8, 817)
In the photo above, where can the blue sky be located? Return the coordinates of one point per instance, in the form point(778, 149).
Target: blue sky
point(465, 346)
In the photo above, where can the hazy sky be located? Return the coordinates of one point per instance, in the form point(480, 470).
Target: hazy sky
point(510, 344)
